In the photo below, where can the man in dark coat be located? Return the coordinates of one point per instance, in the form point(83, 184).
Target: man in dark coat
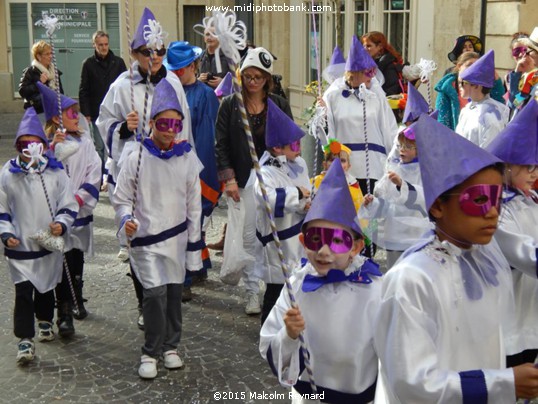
point(98, 73)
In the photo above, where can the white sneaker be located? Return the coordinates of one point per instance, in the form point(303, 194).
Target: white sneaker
point(26, 351)
point(253, 304)
point(172, 360)
point(45, 332)
point(148, 367)
point(123, 255)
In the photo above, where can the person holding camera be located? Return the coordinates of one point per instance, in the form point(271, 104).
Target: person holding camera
point(213, 62)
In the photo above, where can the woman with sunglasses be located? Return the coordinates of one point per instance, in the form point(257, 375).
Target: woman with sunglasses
point(517, 235)
point(234, 163)
point(359, 116)
point(120, 122)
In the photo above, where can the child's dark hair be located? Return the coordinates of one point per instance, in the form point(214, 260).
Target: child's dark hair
point(499, 167)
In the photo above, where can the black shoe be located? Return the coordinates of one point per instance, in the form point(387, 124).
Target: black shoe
point(81, 313)
point(65, 320)
point(186, 296)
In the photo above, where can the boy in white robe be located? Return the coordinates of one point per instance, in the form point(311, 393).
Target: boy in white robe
point(441, 322)
point(159, 209)
point(517, 146)
point(28, 184)
point(337, 294)
point(287, 184)
point(482, 118)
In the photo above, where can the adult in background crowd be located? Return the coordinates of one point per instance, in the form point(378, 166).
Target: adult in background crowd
point(42, 69)
point(98, 72)
point(464, 44)
point(213, 62)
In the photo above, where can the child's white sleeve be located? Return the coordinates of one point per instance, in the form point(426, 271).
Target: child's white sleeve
point(88, 192)
point(280, 351)
point(194, 214)
point(66, 204)
point(124, 193)
point(281, 199)
point(6, 226)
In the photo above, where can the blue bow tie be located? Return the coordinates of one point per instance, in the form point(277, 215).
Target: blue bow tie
point(312, 283)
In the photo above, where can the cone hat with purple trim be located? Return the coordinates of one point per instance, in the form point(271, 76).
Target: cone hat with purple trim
point(30, 125)
point(517, 143)
point(138, 39)
point(481, 72)
point(446, 158)
point(358, 58)
point(280, 130)
point(225, 87)
point(50, 101)
point(164, 99)
point(416, 105)
point(333, 200)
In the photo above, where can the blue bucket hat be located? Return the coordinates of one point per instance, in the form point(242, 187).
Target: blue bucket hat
point(181, 54)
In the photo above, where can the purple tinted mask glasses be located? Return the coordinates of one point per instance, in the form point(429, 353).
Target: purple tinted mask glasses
point(340, 241)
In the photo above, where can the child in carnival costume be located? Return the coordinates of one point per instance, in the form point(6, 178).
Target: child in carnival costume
point(82, 167)
point(453, 289)
point(31, 185)
point(483, 117)
point(517, 146)
point(337, 294)
point(164, 226)
point(286, 179)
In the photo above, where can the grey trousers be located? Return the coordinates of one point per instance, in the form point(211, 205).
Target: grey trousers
point(161, 309)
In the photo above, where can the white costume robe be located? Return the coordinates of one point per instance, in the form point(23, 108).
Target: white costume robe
point(24, 211)
point(84, 170)
point(168, 209)
point(288, 210)
point(117, 105)
point(345, 120)
point(517, 236)
point(439, 333)
point(480, 122)
point(401, 213)
point(339, 320)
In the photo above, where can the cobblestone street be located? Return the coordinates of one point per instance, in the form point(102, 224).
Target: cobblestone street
point(219, 344)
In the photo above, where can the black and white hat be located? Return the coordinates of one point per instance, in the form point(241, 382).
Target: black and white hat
point(260, 58)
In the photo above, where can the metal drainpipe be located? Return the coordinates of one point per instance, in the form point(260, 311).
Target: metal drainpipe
point(483, 16)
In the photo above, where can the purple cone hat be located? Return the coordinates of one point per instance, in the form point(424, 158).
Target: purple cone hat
point(333, 200)
point(30, 125)
point(280, 130)
point(336, 67)
point(358, 58)
point(138, 39)
point(518, 142)
point(337, 56)
point(50, 101)
point(481, 72)
point(225, 87)
point(164, 99)
point(446, 158)
point(416, 105)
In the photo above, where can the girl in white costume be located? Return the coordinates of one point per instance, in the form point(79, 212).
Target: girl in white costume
point(337, 294)
point(24, 210)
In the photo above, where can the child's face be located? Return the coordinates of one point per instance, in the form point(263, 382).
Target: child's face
point(344, 159)
point(291, 151)
point(467, 47)
point(70, 118)
point(464, 229)
point(408, 150)
point(24, 141)
point(522, 177)
point(165, 127)
point(321, 256)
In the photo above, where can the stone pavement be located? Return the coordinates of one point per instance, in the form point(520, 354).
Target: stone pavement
point(99, 365)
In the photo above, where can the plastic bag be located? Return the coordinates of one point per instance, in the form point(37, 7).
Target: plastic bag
point(235, 256)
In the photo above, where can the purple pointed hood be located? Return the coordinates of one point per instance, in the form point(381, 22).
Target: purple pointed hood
point(518, 142)
point(138, 39)
point(225, 87)
point(481, 72)
point(415, 106)
point(280, 130)
point(358, 58)
point(50, 101)
point(165, 98)
point(446, 158)
point(333, 200)
point(30, 125)
point(337, 57)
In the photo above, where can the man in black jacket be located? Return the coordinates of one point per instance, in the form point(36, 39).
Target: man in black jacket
point(98, 73)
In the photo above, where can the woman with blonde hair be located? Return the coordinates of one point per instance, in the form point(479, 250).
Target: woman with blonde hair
point(42, 69)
